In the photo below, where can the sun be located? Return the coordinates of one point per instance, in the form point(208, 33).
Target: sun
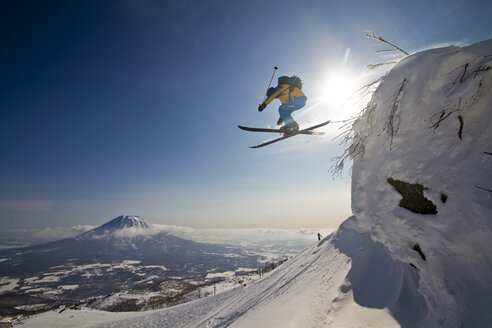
point(335, 95)
point(338, 88)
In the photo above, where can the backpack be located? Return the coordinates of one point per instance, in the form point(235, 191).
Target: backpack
point(294, 81)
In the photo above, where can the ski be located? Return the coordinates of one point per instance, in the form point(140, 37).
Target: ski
point(246, 128)
point(307, 131)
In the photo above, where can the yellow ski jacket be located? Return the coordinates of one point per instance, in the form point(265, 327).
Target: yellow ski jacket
point(284, 92)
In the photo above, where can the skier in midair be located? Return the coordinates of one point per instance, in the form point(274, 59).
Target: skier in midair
point(290, 94)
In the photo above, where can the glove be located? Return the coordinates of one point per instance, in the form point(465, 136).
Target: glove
point(261, 107)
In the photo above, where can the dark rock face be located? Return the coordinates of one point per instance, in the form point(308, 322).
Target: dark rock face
point(413, 197)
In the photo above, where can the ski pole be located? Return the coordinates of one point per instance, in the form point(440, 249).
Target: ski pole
point(269, 84)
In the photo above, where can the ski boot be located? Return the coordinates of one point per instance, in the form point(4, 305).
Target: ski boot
point(287, 130)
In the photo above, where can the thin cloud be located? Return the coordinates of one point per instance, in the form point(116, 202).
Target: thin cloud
point(50, 234)
point(27, 205)
point(26, 237)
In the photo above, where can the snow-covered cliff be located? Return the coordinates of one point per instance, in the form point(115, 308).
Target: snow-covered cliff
point(427, 131)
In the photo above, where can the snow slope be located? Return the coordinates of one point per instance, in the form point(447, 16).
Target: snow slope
point(296, 294)
point(428, 125)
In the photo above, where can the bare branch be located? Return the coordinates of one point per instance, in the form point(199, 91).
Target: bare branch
point(366, 89)
point(386, 50)
point(480, 69)
point(353, 151)
point(393, 122)
point(371, 35)
point(380, 64)
point(460, 132)
point(348, 136)
point(483, 188)
point(462, 78)
point(443, 115)
point(465, 66)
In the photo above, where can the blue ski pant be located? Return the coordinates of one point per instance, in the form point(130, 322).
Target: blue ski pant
point(285, 110)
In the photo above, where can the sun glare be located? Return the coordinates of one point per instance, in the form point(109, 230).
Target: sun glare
point(338, 89)
point(336, 94)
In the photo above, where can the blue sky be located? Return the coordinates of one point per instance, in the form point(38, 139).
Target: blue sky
point(131, 107)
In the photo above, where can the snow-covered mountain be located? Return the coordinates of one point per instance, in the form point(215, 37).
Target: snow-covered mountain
point(124, 222)
point(119, 255)
point(416, 252)
point(123, 238)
